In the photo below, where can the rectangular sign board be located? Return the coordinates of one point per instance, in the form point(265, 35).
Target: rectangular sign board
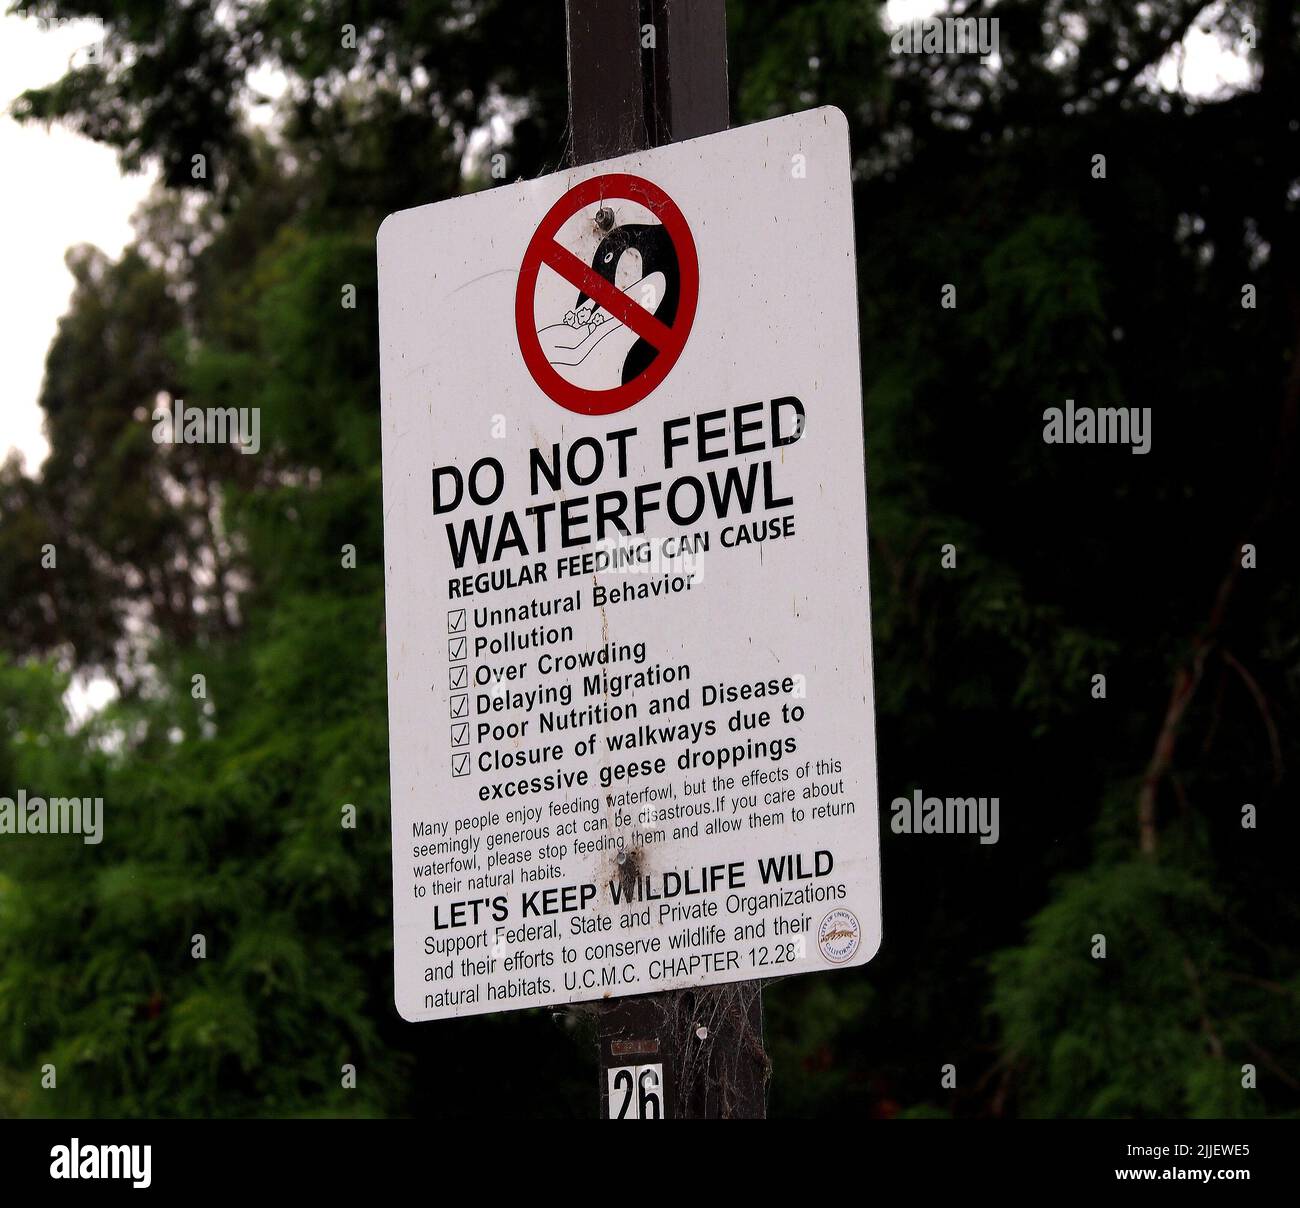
point(629, 634)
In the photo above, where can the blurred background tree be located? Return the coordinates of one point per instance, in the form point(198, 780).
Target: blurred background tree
point(1120, 817)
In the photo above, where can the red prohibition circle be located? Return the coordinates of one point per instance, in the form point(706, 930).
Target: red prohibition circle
point(543, 249)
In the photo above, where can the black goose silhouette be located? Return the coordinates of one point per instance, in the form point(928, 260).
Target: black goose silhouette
point(657, 256)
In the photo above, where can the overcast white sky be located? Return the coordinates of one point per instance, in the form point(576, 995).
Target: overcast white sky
point(61, 189)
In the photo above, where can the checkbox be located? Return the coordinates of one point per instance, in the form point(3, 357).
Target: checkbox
point(460, 734)
point(460, 765)
point(456, 620)
point(456, 648)
point(460, 705)
point(458, 676)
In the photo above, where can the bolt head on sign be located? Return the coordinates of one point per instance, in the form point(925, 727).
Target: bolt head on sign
point(629, 638)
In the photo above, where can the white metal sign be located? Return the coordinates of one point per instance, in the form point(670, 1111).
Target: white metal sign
point(630, 695)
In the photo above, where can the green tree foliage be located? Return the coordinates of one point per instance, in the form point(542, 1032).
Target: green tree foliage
point(1162, 1025)
point(224, 810)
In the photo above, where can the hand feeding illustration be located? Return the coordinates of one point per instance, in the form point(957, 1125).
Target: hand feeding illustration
point(638, 259)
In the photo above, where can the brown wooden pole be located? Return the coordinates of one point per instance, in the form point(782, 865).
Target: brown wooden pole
point(606, 96)
point(643, 73)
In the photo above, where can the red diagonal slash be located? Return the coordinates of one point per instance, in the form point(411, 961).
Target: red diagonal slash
point(667, 340)
point(610, 297)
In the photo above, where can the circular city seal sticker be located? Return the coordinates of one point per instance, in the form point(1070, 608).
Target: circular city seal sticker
point(839, 935)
